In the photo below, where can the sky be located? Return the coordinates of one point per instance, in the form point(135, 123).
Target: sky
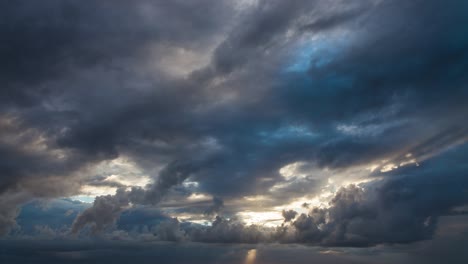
point(249, 131)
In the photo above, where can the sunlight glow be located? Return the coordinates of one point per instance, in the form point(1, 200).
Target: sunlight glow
point(120, 171)
point(298, 204)
point(256, 198)
point(192, 218)
point(268, 218)
point(251, 256)
point(93, 191)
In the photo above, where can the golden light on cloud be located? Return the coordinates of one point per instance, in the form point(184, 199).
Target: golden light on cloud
point(251, 256)
point(199, 197)
point(122, 179)
point(256, 198)
point(292, 170)
point(388, 167)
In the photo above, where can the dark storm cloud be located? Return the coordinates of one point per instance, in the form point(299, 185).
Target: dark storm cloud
point(217, 206)
point(49, 40)
point(84, 83)
point(403, 208)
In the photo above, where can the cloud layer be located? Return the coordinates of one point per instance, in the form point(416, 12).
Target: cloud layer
point(321, 122)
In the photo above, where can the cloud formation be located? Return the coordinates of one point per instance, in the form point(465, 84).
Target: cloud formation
point(322, 122)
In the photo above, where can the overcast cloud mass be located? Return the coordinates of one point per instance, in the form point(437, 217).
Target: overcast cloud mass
point(250, 131)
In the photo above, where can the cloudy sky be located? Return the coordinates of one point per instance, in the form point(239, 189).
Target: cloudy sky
point(248, 131)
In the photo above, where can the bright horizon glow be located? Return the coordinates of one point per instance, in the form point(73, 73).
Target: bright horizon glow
point(265, 218)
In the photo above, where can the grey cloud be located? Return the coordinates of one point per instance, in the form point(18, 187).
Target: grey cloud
point(340, 18)
point(106, 209)
point(8, 213)
point(101, 181)
point(289, 215)
point(260, 28)
point(169, 231)
point(173, 174)
point(103, 213)
point(403, 208)
point(229, 231)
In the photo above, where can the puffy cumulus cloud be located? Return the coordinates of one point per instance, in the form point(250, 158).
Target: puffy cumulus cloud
point(103, 213)
point(231, 230)
point(352, 221)
point(402, 209)
point(405, 207)
point(267, 104)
